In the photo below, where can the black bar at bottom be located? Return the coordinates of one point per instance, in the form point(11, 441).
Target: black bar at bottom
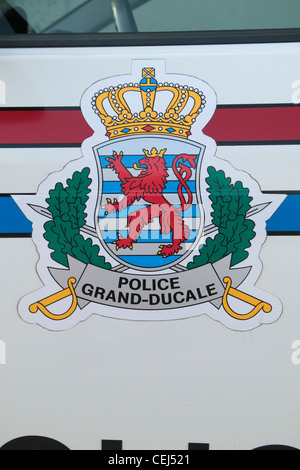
point(197, 446)
point(111, 444)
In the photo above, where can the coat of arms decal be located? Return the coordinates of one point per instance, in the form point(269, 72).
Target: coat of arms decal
point(149, 224)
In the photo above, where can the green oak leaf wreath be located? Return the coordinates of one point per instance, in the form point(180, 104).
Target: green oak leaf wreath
point(67, 206)
point(230, 204)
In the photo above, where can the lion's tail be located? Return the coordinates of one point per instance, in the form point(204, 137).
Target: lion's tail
point(184, 170)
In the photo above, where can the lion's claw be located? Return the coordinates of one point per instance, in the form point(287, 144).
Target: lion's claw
point(123, 242)
point(169, 250)
point(110, 206)
point(114, 160)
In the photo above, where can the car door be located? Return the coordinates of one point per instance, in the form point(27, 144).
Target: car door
point(149, 232)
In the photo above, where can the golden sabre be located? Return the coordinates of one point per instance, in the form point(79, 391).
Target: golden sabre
point(42, 304)
point(258, 304)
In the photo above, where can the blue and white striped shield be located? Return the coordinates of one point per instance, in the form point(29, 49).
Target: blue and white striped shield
point(149, 214)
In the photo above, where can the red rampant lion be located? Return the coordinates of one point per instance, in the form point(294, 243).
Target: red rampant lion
point(149, 186)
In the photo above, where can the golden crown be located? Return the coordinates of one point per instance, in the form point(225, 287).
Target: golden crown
point(173, 121)
point(154, 153)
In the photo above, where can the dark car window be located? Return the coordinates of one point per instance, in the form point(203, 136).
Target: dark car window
point(102, 16)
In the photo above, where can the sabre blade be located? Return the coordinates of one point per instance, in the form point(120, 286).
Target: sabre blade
point(251, 212)
point(46, 213)
point(92, 231)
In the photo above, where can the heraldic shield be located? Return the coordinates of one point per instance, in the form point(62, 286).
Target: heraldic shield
point(150, 212)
